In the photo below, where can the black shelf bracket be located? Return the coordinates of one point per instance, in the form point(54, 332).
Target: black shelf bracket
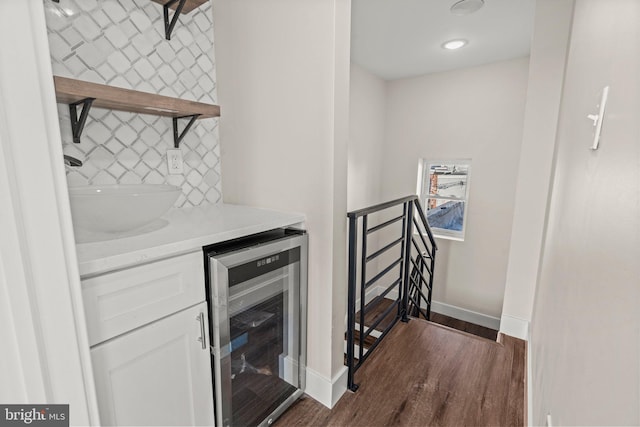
point(77, 123)
point(177, 136)
point(170, 23)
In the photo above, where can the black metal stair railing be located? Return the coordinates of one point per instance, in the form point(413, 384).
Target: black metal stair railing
point(421, 276)
point(405, 264)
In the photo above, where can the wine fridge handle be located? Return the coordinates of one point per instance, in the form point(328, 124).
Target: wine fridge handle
point(202, 338)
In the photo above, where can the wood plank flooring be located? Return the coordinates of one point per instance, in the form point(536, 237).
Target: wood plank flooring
point(377, 311)
point(424, 374)
point(461, 325)
point(451, 322)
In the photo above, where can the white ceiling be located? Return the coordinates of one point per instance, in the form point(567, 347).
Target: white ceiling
point(402, 38)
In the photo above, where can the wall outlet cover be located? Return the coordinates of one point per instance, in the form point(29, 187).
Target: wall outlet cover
point(174, 161)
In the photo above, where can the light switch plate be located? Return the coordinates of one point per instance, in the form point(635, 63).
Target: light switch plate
point(174, 161)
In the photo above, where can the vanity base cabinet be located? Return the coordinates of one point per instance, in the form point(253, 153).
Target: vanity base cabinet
point(159, 374)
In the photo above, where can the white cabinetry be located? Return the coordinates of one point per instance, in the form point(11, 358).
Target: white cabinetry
point(148, 327)
point(158, 374)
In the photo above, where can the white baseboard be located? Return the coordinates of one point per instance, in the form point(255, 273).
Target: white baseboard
point(456, 312)
point(339, 385)
point(356, 349)
point(515, 327)
point(369, 295)
point(326, 391)
point(393, 294)
point(465, 315)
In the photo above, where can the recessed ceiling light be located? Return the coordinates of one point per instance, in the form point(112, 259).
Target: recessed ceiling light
point(454, 44)
point(466, 7)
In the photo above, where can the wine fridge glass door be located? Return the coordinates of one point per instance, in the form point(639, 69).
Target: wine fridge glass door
point(256, 315)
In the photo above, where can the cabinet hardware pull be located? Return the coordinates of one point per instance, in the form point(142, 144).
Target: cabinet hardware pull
point(202, 338)
point(598, 119)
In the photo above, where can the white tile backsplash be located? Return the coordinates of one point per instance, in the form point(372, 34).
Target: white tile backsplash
point(121, 43)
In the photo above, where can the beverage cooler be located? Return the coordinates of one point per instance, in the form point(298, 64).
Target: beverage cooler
point(257, 297)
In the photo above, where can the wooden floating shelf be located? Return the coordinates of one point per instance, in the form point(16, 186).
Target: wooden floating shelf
point(78, 92)
point(180, 7)
point(70, 91)
point(188, 6)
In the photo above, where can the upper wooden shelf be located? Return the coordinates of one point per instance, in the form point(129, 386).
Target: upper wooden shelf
point(189, 5)
point(69, 91)
point(185, 6)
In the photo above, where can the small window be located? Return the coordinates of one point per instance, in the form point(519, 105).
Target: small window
point(444, 193)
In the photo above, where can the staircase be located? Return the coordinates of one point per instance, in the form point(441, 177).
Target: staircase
point(373, 309)
point(394, 257)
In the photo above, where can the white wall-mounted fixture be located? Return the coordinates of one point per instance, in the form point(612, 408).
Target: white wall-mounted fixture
point(599, 118)
point(466, 7)
point(174, 161)
point(454, 44)
point(55, 8)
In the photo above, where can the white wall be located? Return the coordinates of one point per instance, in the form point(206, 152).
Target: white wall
point(366, 138)
point(474, 113)
point(282, 69)
point(367, 119)
point(45, 349)
point(546, 76)
point(586, 323)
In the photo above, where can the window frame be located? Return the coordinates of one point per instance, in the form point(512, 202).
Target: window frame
point(424, 167)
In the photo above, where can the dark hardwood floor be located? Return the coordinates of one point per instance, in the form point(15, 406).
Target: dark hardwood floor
point(424, 374)
point(451, 322)
point(461, 325)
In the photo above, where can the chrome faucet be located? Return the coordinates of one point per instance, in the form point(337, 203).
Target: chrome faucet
point(71, 161)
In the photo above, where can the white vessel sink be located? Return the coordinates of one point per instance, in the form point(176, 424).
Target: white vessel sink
point(119, 208)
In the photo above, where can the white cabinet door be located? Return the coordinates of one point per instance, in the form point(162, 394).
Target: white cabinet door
point(159, 374)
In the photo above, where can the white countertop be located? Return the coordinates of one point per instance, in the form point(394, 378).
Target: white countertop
point(179, 231)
